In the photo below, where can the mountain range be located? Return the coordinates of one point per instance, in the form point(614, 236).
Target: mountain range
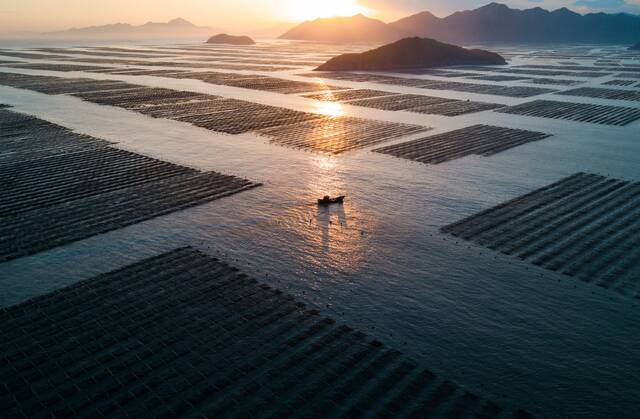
point(493, 23)
point(173, 28)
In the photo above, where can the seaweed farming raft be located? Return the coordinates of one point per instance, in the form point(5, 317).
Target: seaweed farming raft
point(59, 67)
point(321, 133)
point(581, 112)
point(600, 93)
point(185, 335)
point(244, 81)
point(586, 226)
point(482, 140)
point(338, 135)
point(487, 89)
point(58, 187)
point(620, 82)
point(403, 102)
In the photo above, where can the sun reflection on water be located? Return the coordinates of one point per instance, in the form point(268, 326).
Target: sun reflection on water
point(336, 238)
point(334, 235)
point(328, 105)
point(331, 109)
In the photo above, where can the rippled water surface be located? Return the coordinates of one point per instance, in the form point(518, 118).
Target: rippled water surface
point(502, 327)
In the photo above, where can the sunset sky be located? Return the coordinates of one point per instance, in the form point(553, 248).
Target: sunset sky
point(243, 15)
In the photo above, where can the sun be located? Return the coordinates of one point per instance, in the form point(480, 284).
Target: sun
point(298, 11)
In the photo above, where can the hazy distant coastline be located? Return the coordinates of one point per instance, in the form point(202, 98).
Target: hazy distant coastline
point(174, 29)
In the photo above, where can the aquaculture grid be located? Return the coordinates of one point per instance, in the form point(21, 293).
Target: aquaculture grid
point(59, 187)
point(597, 92)
point(58, 67)
point(620, 82)
point(482, 140)
point(586, 226)
point(581, 112)
point(488, 89)
point(183, 334)
point(346, 95)
point(322, 133)
point(338, 135)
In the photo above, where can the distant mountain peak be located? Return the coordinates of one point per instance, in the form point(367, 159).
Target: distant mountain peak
point(426, 15)
point(178, 27)
point(495, 6)
point(566, 12)
point(180, 22)
point(357, 28)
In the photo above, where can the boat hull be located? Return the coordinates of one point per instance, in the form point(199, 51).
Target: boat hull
point(337, 200)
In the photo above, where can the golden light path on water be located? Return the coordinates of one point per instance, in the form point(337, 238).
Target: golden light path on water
point(335, 234)
point(332, 109)
point(328, 106)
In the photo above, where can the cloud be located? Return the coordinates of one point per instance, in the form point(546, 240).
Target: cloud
point(632, 6)
point(614, 5)
point(601, 4)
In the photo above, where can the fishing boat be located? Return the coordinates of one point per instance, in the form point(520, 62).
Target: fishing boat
point(327, 200)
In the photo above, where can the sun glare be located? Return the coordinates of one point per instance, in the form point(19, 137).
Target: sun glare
point(331, 109)
point(309, 10)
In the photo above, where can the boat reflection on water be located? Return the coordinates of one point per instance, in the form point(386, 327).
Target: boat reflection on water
point(337, 236)
point(326, 216)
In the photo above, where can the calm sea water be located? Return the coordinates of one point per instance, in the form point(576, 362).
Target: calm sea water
point(501, 327)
